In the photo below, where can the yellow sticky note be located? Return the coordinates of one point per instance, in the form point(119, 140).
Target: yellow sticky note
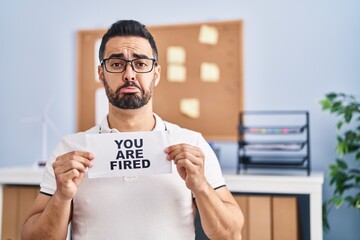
point(176, 55)
point(208, 35)
point(96, 60)
point(176, 73)
point(190, 107)
point(101, 105)
point(209, 72)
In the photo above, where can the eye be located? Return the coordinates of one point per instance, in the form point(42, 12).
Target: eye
point(141, 63)
point(116, 63)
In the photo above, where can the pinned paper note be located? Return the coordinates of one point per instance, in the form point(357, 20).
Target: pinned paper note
point(208, 35)
point(176, 55)
point(101, 105)
point(190, 107)
point(176, 73)
point(96, 58)
point(209, 72)
point(128, 154)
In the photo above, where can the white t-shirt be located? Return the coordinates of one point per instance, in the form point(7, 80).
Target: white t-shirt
point(136, 207)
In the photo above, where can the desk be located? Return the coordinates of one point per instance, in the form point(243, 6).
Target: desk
point(271, 184)
point(17, 176)
point(282, 184)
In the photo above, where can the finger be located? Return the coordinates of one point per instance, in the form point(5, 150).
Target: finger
point(82, 157)
point(185, 164)
point(71, 174)
point(85, 160)
point(187, 169)
point(174, 150)
point(86, 155)
point(189, 157)
point(177, 147)
point(196, 157)
point(181, 170)
point(71, 164)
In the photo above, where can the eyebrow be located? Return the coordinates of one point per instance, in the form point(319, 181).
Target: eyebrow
point(121, 55)
point(140, 55)
point(116, 55)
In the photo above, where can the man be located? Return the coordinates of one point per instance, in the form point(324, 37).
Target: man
point(139, 207)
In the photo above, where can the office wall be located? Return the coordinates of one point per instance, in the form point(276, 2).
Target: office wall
point(294, 53)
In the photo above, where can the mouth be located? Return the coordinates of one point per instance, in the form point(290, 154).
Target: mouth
point(129, 87)
point(129, 90)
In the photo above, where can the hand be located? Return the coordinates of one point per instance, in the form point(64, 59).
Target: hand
point(69, 172)
point(189, 161)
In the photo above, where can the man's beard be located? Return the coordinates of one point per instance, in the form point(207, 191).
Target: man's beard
point(128, 100)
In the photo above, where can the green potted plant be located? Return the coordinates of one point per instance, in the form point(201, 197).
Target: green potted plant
point(344, 173)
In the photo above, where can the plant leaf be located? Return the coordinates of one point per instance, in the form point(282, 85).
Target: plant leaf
point(331, 96)
point(342, 148)
point(325, 103)
point(337, 201)
point(339, 125)
point(336, 106)
point(325, 212)
point(348, 116)
point(357, 156)
point(342, 164)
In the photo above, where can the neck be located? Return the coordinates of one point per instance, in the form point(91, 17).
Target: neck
point(131, 120)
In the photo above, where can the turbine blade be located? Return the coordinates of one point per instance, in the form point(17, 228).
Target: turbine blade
point(53, 126)
point(47, 106)
point(31, 119)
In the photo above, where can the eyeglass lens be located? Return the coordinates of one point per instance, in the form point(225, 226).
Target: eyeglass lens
point(117, 65)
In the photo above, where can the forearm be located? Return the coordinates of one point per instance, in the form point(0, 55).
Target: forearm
point(51, 223)
point(219, 219)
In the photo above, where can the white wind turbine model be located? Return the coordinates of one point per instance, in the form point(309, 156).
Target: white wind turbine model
point(45, 122)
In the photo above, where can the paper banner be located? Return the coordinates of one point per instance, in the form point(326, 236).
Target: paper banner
point(128, 154)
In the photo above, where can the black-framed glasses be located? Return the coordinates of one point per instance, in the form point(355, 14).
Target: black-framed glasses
point(118, 65)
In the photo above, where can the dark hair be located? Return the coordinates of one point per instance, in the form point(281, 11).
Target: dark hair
point(127, 28)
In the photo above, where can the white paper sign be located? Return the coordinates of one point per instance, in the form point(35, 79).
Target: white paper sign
point(128, 154)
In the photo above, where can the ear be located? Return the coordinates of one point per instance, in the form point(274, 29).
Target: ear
point(157, 74)
point(101, 74)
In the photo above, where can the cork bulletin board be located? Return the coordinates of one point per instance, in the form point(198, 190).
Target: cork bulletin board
point(201, 86)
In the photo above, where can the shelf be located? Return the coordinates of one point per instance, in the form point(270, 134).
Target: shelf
point(274, 160)
point(264, 140)
point(273, 130)
point(272, 146)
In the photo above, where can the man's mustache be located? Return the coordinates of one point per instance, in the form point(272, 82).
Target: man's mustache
point(128, 84)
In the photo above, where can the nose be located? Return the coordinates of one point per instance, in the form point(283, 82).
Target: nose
point(129, 73)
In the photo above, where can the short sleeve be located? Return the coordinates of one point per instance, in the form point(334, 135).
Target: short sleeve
point(48, 183)
point(212, 170)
